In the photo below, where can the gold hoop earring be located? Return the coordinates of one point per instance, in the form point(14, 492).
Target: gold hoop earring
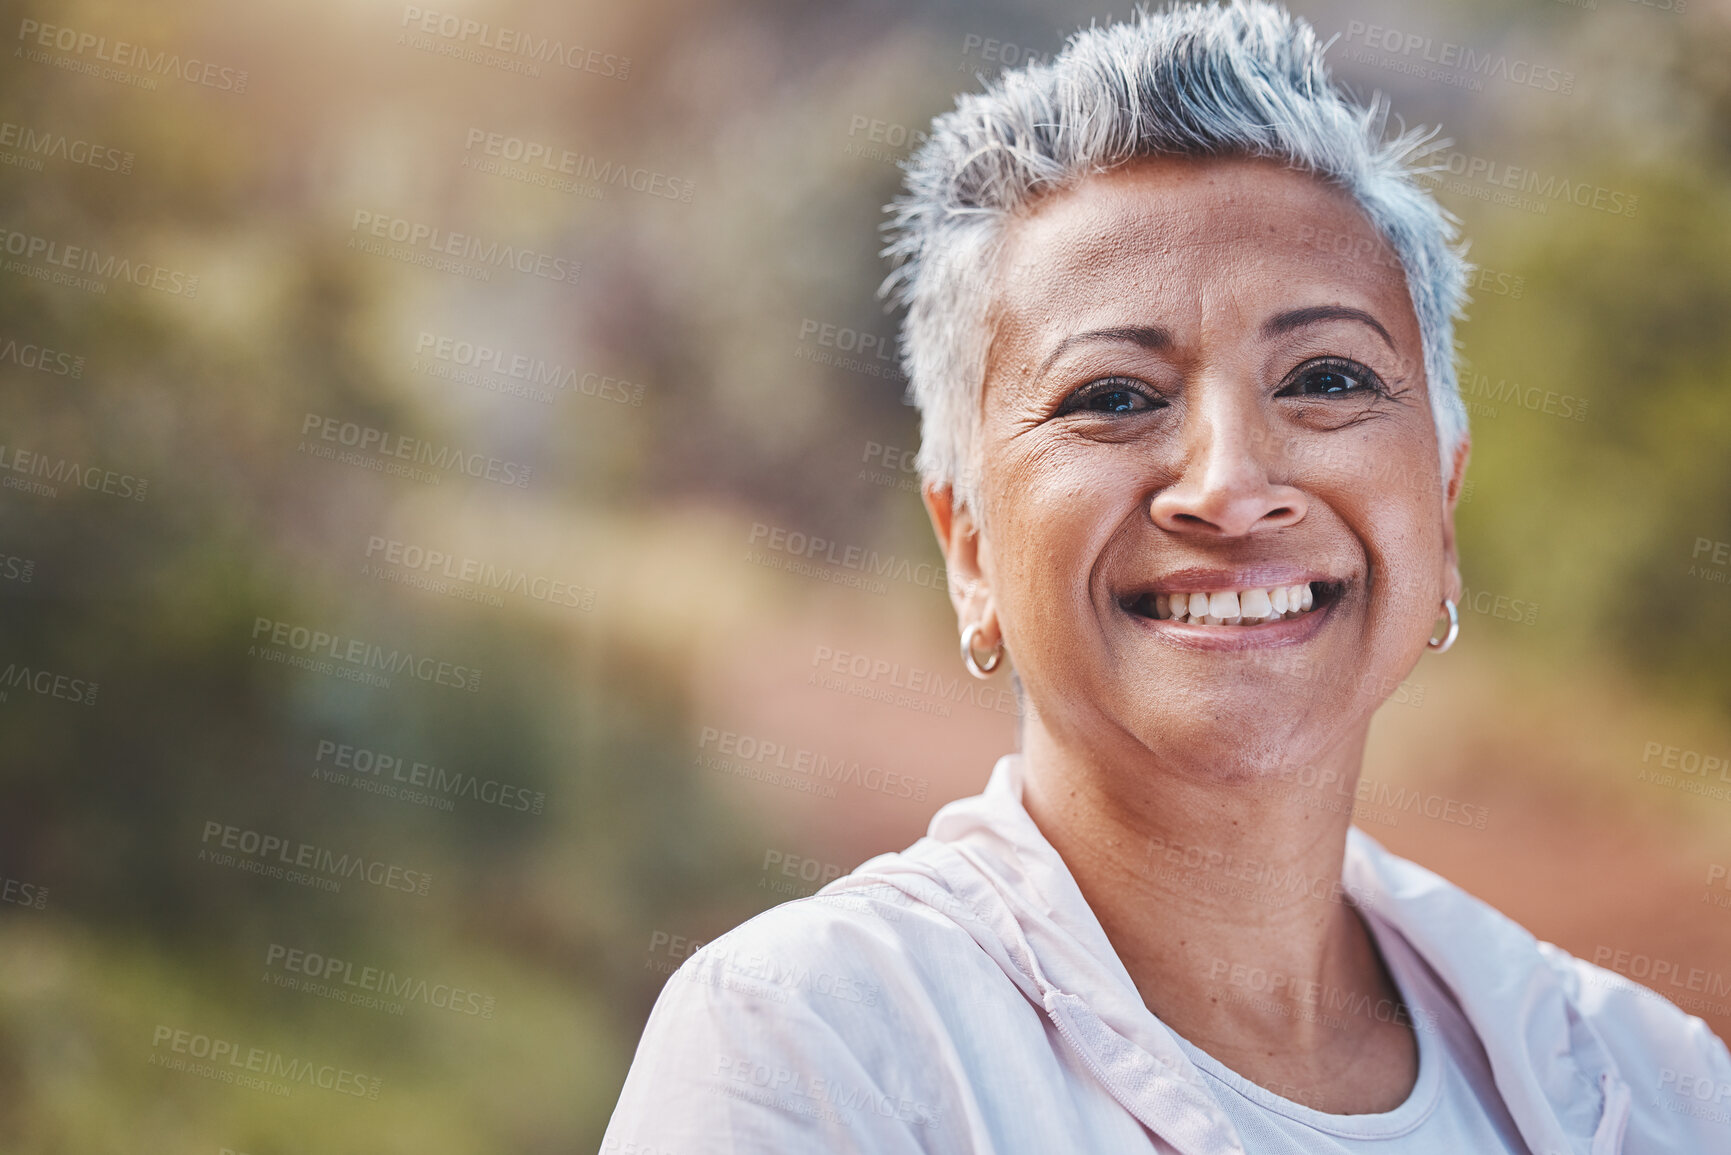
point(974, 666)
point(1448, 639)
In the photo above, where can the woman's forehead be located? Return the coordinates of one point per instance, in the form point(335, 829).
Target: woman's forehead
point(1173, 233)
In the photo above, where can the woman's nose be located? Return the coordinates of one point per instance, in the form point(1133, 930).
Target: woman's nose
point(1224, 488)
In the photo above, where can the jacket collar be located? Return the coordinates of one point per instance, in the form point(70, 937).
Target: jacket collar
point(1555, 1074)
point(985, 864)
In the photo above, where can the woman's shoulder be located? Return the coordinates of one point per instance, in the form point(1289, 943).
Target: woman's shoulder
point(850, 942)
point(1662, 1051)
point(824, 1023)
point(1657, 1043)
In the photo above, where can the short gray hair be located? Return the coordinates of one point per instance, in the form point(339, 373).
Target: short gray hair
point(1244, 78)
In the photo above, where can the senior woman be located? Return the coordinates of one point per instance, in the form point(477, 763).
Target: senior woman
point(1179, 325)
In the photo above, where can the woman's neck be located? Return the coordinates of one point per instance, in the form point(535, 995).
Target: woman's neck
point(1222, 897)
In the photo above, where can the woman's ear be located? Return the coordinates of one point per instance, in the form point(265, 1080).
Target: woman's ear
point(1452, 584)
point(958, 535)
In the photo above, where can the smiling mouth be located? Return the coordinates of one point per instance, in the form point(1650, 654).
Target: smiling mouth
point(1246, 607)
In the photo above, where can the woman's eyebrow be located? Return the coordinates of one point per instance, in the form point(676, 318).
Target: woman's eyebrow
point(1297, 318)
point(1147, 336)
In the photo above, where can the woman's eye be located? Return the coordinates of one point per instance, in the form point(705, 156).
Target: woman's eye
point(1115, 401)
point(1112, 397)
point(1330, 378)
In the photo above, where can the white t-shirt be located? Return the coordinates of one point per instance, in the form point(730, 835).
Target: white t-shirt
point(1454, 1107)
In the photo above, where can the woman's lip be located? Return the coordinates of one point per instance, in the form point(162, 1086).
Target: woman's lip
point(1282, 632)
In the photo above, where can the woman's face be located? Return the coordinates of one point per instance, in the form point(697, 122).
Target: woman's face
point(1206, 377)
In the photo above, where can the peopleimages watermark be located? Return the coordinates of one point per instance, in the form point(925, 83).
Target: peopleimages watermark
point(1305, 668)
point(121, 61)
point(412, 780)
point(508, 49)
point(1503, 607)
point(307, 647)
point(257, 1068)
point(42, 474)
point(47, 684)
point(1719, 873)
point(1342, 459)
point(1371, 800)
point(470, 362)
point(42, 359)
point(304, 863)
point(1675, 7)
point(1518, 186)
point(675, 947)
point(1208, 869)
point(1699, 1095)
point(748, 756)
point(889, 465)
point(813, 1096)
point(1003, 53)
point(28, 147)
point(1691, 771)
point(842, 347)
point(1360, 247)
point(418, 243)
point(859, 562)
point(613, 1144)
point(1482, 396)
point(1459, 65)
point(874, 139)
point(351, 443)
point(562, 170)
point(25, 894)
point(86, 268)
point(441, 572)
point(369, 987)
point(1321, 1003)
point(1690, 987)
point(847, 340)
point(16, 569)
point(759, 975)
point(1718, 555)
point(799, 874)
point(911, 688)
point(769, 977)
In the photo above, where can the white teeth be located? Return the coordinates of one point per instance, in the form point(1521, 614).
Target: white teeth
point(1234, 607)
